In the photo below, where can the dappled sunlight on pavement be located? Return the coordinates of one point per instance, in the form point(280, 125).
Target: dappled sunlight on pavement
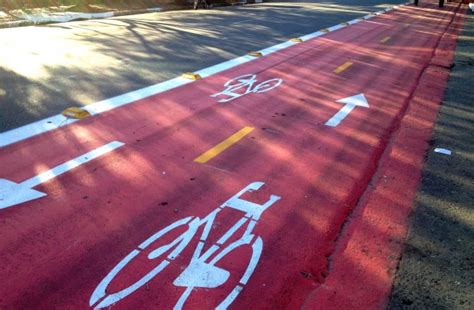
point(337, 196)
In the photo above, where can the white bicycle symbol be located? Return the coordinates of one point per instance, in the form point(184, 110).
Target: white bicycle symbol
point(244, 85)
point(202, 271)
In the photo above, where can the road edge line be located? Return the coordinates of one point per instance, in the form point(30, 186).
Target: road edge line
point(54, 122)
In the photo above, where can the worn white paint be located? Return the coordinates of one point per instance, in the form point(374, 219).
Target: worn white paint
point(349, 104)
point(201, 272)
point(12, 194)
point(54, 122)
point(441, 150)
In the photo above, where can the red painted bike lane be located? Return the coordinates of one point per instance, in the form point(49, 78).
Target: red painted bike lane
point(202, 203)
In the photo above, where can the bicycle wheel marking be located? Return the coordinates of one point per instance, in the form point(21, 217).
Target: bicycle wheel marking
point(201, 272)
point(243, 85)
point(100, 292)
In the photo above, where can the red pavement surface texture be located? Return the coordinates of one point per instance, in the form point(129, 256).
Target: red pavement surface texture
point(368, 250)
point(331, 240)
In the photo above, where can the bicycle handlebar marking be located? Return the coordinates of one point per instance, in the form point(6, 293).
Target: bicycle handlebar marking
point(201, 271)
point(243, 85)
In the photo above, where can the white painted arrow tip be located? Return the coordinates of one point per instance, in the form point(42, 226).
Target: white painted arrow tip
point(12, 194)
point(358, 100)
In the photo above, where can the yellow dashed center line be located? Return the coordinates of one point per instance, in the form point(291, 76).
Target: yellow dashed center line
point(386, 39)
point(221, 147)
point(343, 67)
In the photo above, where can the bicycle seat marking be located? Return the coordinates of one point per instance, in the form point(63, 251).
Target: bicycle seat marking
point(201, 272)
point(243, 85)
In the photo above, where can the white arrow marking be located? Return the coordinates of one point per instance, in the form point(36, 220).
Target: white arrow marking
point(350, 104)
point(12, 193)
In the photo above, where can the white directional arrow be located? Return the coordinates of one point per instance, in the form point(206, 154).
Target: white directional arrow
point(12, 193)
point(350, 104)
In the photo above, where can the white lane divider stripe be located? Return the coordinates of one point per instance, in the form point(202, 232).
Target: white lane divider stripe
point(12, 194)
point(312, 35)
point(34, 129)
point(224, 66)
point(115, 102)
point(54, 122)
point(71, 164)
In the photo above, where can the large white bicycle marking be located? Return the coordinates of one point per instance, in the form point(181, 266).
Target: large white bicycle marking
point(243, 85)
point(202, 271)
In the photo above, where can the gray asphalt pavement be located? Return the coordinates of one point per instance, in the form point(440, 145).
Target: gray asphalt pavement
point(44, 70)
point(437, 266)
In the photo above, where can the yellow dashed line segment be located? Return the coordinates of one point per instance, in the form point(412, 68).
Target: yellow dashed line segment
point(221, 147)
point(343, 67)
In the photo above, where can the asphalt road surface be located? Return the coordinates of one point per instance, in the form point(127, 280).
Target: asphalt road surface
point(44, 70)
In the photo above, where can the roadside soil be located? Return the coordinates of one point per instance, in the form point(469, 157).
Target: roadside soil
point(11, 10)
point(87, 6)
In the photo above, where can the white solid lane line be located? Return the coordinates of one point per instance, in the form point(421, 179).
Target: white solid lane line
point(54, 122)
point(71, 164)
point(12, 194)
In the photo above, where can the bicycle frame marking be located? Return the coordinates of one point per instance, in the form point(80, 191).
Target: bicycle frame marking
point(202, 271)
point(243, 85)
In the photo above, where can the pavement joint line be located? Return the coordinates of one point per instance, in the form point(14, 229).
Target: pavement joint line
point(343, 67)
point(39, 127)
point(224, 145)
